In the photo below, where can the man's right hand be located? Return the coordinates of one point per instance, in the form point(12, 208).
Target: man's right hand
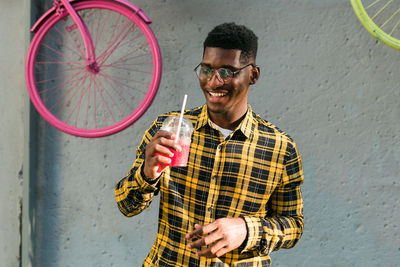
point(158, 154)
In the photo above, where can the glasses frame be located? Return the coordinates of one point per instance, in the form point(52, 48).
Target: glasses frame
point(228, 79)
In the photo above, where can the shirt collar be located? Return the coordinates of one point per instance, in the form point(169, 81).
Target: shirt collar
point(246, 126)
point(202, 118)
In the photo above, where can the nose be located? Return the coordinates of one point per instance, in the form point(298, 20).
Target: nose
point(215, 81)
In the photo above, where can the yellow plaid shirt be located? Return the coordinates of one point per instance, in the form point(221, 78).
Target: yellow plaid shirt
point(255, 173)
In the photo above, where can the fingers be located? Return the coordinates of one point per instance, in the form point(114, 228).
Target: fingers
point(222, 251)
point(219, 246)
point(205, 253)
point(201, 230)
point(217, 250)
point(214, 238)
point(159, 152)
point(219, 237)
point(162, 133)
point(205, 241)
point(166, 139)
point(197, 232)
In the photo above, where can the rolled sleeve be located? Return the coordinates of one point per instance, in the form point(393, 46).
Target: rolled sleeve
point(254, 233)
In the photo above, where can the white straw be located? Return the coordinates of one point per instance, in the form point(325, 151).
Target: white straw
point(181, 119)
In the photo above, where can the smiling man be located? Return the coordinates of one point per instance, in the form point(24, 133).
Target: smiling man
point(239, 198)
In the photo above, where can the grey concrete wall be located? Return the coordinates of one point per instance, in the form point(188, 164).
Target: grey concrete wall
point(324, 80)
point(12, 50)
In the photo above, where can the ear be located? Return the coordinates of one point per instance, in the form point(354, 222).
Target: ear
point(255, 74)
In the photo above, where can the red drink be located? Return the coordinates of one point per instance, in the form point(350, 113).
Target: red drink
point(179, 159)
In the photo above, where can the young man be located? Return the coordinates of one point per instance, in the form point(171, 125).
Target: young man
point(239, 197)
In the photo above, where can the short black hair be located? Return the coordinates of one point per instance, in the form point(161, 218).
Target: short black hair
point(233, 36)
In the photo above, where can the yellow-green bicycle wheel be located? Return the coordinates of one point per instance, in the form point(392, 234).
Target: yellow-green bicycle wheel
point(381, 18)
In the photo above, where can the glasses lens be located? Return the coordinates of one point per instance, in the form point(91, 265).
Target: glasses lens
point(206, 71)
point(225, 74)
point(203, 72)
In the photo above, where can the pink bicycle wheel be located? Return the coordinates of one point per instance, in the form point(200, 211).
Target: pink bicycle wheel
point(77, 100)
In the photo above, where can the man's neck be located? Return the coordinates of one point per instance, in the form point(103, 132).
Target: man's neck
point(226, 121)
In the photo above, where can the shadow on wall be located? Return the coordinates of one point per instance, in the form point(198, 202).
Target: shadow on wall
point(45, 184)
point(45, 177)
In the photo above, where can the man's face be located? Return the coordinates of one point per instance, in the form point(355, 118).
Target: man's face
point(230, 97)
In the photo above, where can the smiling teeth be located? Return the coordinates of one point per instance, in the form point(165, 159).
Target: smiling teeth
point(216, 94)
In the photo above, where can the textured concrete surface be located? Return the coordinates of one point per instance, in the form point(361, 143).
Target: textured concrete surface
point(12, 45)
point(324, 80)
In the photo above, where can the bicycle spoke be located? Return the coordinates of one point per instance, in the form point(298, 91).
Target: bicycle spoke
point(103, 103)
point(130, 80)
point(71, 66)
point(125, 43)
point(78, 104)
point(62, 44)
point(395, 27)
point(112, 100)
point(372, 4)
point(126, 64)
point(133, 70)
point(107, 53)
point(67, 39)
point(95, 88)
point(59, 53)
point(58, 87)
point(91, 21)
point(43, 91)
point(55, 71)
point(120, 60)
point(62, 77)
point(112, 34)
point(77, 41)
point(58, 63)
point(99, 34)
point(390, 18)
point(87, 107)
point(69, 101)
point(72, 88)
point(94, 104)
point(115, 28)
point(122, 85)
point(118, 93)
point(125, 85)
point(129, 55)
point(380, 10)
point(76, 64)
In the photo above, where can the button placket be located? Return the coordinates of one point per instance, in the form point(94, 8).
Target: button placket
point(213, 186)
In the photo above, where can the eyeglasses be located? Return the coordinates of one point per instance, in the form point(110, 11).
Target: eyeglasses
point(205, 73)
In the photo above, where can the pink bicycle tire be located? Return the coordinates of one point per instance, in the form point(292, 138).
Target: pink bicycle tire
point(116, 126)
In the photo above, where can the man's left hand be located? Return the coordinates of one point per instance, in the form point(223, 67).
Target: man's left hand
point(224, 235)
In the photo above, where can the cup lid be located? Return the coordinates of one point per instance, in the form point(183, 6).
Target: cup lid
point(171, 124)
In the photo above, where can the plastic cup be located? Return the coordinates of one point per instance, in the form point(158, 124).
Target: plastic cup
point(171, 124)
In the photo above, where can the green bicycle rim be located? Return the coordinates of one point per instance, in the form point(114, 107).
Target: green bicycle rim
point(372, 28)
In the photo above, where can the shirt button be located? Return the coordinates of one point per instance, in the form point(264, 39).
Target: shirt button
point(209, 209)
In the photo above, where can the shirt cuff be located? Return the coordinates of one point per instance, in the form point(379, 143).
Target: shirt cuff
point(254, 233)
point(146, 185)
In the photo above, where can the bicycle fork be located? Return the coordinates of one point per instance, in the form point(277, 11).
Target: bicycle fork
point(91, 63)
